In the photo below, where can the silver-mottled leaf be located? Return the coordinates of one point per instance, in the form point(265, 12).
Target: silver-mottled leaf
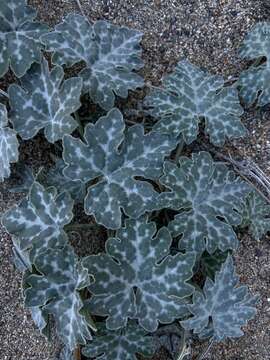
point(189, 95)
point(19, 37)
point(136, 260)
point(255, 82)
point(123, 344)
point(113, 160)
point(8, 145)
point(256, 215)
point(38, 220)
point(45, 101)
point(208, 196)
point(56, 290)
point(110, 54)
point(222, 308)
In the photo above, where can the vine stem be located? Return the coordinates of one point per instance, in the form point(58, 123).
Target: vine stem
point(2, 92)
point(80, 7)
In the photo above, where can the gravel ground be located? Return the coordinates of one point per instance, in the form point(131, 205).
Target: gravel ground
point(208, 32)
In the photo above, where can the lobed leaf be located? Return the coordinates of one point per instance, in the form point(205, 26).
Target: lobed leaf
point(38, 221)
point(256, 215)
point(254, 82)
point(207, 196)
point(20, 44)
point(56, 288)
point(112, 162)
point(222, 308)
point(123, 344)
point(110, 54)
point(8, 145)
point(45, 101)
point(190, 95)
point(136, 260)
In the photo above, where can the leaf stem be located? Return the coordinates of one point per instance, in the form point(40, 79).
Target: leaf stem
point(2, 92)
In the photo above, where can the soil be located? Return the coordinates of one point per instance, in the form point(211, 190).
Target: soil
point(208, 33)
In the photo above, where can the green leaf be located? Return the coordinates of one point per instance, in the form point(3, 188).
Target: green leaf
point(110, 54)
point(8, 145)
point(113, 161)
point(56, 291)
point(136, 260)
point(45, 101)
point(207, 196)
point(190, 95)
point(123, 344)
point(19, 37)
point(38, 221)
point(222, 308)
point(256, 215)
point(255, 82)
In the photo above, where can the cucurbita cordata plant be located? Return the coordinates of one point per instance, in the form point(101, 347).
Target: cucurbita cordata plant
point(171, 218)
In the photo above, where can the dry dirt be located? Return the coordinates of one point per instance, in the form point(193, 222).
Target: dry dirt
point(208, 32)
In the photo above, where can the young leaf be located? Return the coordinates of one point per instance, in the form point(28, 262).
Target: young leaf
point(208, 196)
point(56, 290)
point(110, 54)
point(19, 37)
point(113, 161)
point(38, 220)
point(45, 101)
point(123, 344)
point(256, 215)
point(8, 145)
point(222, 308)
point(136, 260)
point(190, 94)
point(255, 82)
